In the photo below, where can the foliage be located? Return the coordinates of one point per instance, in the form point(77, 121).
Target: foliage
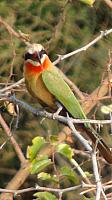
point(89, 2)
point(45, 196)
point(39, 162)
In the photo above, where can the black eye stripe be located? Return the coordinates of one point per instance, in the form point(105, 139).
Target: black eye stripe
point(42, 52)
point(34, 56)
point(28, 56)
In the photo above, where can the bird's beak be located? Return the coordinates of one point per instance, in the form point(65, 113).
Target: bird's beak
point(39, 59)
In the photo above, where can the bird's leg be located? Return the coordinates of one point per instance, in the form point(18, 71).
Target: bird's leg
point(60, 107)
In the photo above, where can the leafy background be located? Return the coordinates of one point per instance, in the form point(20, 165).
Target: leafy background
point(61, 26)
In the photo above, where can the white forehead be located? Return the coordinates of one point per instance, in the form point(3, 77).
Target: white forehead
point(34, 47)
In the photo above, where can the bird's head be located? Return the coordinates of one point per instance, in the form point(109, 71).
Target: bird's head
point(35, 54)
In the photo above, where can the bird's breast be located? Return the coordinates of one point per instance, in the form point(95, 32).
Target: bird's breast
point(37, 89)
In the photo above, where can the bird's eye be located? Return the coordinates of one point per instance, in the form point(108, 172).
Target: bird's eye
point(42, 52)
point(27, 56)
point(35, 56)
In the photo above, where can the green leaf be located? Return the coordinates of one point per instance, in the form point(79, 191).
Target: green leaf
point(106, 109)
point(65, 150)
point(47, 177)
point(37, 144)
point(89, 2)
point(39, 164)
point(45, 196)
point(89, 175)
point(70, 174)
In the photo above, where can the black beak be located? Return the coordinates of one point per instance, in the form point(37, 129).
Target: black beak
point(39, 58)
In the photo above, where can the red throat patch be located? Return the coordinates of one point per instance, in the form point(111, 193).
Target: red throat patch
point(30, 68)
point(33, 68)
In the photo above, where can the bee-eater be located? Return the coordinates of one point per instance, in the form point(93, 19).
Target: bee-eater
point(47, 85)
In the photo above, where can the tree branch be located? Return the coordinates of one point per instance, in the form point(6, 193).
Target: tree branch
point(12, 139)
point(44, 113)
point(11, 31)
point(108, 3)
point(84, 48)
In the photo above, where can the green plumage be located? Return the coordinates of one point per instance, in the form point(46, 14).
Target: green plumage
point(47, 84)
point(55, 83)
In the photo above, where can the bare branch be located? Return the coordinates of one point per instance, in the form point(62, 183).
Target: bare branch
point(108, 3)
point(96, 175)
point(16, 181)
point(43, 113)
point(16, 192)
point(12, 139)
point(11, 31)
point(81, 172)
point(93, 156)
point(12, 86)
point(84, 48)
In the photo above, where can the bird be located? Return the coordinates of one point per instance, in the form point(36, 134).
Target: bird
point(45, 83)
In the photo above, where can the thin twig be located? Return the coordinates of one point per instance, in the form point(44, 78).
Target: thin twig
point(81, 172)
point(12, 86)
point(11, 31)
point(84, 48)
point(16, 192)
point(78, 135)
point(12, 139)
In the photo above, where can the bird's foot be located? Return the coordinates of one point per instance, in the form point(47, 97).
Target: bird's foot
point(60, 107)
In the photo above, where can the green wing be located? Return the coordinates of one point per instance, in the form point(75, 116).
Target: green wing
point(62, 92)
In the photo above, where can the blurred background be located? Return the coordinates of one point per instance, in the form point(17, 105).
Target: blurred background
point(61, 26)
